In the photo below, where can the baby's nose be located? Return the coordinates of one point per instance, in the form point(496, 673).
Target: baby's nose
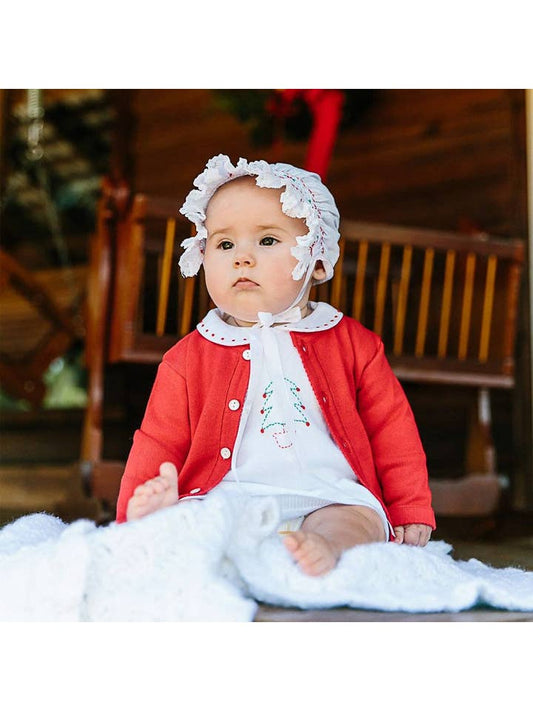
point(244, 259)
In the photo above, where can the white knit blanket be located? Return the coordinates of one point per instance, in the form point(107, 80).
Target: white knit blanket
point(212, 560)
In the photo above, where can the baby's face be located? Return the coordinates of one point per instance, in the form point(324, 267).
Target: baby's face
point(248, 261)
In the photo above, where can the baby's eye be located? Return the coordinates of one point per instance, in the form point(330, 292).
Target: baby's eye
point(225, 244)
point(268, 241)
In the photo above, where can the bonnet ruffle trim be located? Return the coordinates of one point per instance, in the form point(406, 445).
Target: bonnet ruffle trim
point(304, 196)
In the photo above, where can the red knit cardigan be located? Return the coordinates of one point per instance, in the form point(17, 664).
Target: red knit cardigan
point(188, 420)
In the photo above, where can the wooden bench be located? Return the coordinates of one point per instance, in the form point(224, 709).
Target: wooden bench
point(133, 265)
point(444, 303)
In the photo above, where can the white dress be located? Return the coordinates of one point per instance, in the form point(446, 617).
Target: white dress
point(283, 446)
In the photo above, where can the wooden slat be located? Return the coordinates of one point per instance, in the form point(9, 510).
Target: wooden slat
point(427, 369)
point(337, 281)
point(402, 299)
point(446, 306)
point(488, 300)
point(511, 316)
point(482, 244)
point(424, 303)
point(129, 266)
point(166, 266)
point(382, 288)
point(358, 296)
point(187, 290)
point(186, 311)
point(466, 311)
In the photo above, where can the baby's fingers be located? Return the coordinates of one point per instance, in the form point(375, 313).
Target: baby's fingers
point(425, 536)
point(412, 535)
point(417, 534)
point(399, 532)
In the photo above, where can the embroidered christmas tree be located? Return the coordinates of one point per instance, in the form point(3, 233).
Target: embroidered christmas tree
point(268, 418)
point(297, 403)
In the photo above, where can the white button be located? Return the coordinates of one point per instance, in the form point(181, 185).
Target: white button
point(194, 491)
point(234, 404)
point(246, 354)
point(225, 453)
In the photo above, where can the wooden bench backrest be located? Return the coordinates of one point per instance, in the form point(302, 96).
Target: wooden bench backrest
point(444, 303)
point(152, 305)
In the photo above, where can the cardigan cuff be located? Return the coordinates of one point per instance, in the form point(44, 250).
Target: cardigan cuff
point(404, 515)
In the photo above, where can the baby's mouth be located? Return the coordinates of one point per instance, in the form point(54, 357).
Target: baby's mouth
point(244, 283)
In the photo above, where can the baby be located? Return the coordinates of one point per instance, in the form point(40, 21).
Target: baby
point(274, 395)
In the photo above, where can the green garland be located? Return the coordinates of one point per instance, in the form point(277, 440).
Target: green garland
point(260, 111)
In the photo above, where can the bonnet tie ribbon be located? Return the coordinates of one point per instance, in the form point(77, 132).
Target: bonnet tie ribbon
point(274, 366)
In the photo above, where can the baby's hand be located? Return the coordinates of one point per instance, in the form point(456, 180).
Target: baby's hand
point(414, 534)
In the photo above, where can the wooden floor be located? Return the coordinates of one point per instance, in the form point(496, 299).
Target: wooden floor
point(266, 613)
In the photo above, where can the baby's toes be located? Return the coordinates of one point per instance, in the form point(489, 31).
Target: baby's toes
point(310, 556)
point(321, 566)
point(168, 472)
point(157, 486)
point(317, 562)
point(293, 541)
point(318, 558)
point(137, 506)
point(311, 547)
point(141, 490)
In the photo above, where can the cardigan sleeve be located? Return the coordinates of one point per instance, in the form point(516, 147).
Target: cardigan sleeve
point(164, 434)
point(397, 450)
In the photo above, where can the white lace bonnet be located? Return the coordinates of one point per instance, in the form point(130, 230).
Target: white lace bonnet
point(304, 196)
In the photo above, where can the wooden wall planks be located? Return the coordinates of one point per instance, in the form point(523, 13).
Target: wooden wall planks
point(419, 157)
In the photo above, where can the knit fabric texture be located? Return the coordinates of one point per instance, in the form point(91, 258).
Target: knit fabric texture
point(213, 560)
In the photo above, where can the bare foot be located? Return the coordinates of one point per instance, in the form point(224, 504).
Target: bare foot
point(327, 532)
point(313, 553)
point(155, 494)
